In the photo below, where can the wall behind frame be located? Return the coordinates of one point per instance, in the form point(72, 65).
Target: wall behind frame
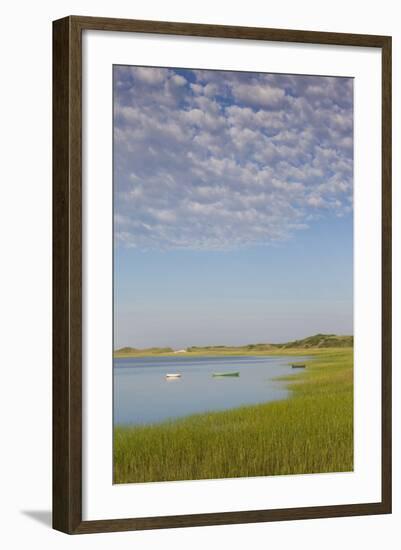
point(25, 275)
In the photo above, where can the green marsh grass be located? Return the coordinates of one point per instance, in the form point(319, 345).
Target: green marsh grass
point(310, 432)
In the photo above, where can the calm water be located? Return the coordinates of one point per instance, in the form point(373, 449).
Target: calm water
point(143, 395)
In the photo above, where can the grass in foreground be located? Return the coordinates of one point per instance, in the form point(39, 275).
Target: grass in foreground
point(310, 432)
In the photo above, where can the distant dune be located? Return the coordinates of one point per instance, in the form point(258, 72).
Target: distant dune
point(320, 341)
point(145, 351)
point(317, 341)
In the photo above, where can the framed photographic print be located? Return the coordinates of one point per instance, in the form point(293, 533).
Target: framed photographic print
point(222, 274)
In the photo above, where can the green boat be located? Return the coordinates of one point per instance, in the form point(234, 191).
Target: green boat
point(298, 366)
point(226, 373)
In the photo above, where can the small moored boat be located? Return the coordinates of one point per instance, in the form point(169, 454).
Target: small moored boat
point(295, 366)
point(173, 375)
point(226, 373)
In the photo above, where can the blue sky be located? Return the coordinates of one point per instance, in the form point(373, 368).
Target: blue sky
point(232, 206)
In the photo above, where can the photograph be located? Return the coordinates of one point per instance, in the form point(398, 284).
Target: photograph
point(233, 268)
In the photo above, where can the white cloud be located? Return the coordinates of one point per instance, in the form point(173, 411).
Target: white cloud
point(259, 95)
point(178, 80)
point(222, 159)
point(153, 77)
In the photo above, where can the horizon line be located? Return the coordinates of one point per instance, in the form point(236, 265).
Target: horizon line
point(238, 345)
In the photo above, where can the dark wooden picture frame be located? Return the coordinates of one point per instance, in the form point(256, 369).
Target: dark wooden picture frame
point(67, 274)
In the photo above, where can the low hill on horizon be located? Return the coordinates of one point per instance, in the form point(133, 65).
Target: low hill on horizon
point(127, 350)
point(320, 341)
point(315, 341)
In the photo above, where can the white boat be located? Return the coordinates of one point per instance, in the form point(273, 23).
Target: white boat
point(173, 375)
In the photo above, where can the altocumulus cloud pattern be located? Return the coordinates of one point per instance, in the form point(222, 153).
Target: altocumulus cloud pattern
point(214, 160)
